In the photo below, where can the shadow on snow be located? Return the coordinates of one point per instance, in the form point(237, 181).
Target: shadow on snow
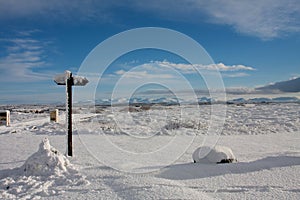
point(198, 170)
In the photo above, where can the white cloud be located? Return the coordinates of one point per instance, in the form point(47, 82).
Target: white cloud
point(59, 10)
point(32, 98)
point(235, 75)
point(166, 73)
point(222, 67)
point(167, 70)
point(28, 32)
point(291, 85)
point(240, 90)
point(265, 19)
point(138, 74)
point(120, 72)
point(192, 68)
point(22, 57)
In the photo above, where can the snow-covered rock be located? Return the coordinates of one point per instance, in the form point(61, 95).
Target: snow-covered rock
point(217, 154)
point(46, 161)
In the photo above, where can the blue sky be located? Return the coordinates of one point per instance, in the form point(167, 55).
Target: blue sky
point(252, 43)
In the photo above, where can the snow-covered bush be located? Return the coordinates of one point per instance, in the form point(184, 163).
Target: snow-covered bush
point(217, 154)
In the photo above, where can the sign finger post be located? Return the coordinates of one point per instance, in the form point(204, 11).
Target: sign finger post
point(69, 80)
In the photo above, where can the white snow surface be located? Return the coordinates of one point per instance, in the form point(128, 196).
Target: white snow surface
point(265, 138)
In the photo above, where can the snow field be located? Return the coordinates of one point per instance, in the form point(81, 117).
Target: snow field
point(264, 138)
point(263, 172)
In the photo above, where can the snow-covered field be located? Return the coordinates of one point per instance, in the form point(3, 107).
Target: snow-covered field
point(147, 154)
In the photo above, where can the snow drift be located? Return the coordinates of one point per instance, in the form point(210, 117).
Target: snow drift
point(42, 174)
point(46, 161)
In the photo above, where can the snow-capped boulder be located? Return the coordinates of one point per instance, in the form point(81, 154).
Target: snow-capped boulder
point(217, 154)
point(46, 161)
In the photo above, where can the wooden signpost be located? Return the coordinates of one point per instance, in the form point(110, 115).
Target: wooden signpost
point(54, 115)
point(5, 117)
point(68, 80)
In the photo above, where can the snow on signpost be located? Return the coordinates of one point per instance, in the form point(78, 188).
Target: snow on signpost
point(69, 80)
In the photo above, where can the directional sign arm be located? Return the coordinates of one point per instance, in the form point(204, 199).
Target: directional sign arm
point(77, 80)
point(60, 79)
point(80, 80)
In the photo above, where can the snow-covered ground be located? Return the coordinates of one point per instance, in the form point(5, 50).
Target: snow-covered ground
point(147, 154)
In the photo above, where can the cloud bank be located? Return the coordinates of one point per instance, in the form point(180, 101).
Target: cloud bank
point(189, 68)
point(165, 69)
point(292, 85)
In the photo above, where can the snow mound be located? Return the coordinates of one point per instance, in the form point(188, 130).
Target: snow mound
point(217, 154)
point(47, 172)
point(46, 161)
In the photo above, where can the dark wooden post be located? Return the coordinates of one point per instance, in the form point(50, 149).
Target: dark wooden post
point(68, 80)
point(69, 84)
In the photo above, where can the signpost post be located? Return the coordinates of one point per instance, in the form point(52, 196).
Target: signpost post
point(5, 117)
point(68, 80)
